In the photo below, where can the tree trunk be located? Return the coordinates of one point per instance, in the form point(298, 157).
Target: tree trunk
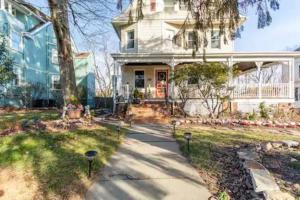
point(59, 17)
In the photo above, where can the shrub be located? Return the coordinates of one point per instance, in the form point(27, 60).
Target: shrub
point(263, 110)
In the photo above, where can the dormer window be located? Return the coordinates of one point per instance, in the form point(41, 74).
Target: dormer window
point(130, 39)
point(215, 40)
point(153, 5)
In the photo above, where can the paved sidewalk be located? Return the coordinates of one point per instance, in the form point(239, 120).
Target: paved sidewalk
point(148, 165)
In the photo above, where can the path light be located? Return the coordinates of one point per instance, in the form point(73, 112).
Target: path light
point(174, 126)
point(90, 155)
point(119, 131)
point(188, 137)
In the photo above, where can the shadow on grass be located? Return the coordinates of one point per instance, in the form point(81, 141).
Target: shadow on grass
point(57, 159)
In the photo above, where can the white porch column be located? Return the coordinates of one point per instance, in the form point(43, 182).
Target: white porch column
point(114, 87)
point(2, 4)
point(9, 7)
point(230, 65)
point(258, 65)
point(291, 77)
point(172, 65)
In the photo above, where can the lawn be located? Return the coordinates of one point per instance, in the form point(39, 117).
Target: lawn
point(9, 120)
point(51, 165)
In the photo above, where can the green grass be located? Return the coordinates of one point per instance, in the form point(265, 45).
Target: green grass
point(56, 160)
point(10, 120)
point(205, 140)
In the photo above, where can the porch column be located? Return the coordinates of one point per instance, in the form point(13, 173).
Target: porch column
point(258, 65)
point(230, 65)
point(10, 8)
point(172, 84)
point(114, 87)
point(2, 4)
point(291, 78)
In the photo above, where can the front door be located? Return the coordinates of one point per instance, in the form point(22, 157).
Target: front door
point(161, 83)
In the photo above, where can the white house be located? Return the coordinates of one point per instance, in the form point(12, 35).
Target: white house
point(148, 56)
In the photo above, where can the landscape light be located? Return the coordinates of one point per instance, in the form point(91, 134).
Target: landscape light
point(188, 137)
point(90, 155)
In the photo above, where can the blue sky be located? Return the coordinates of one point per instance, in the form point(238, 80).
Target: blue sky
point(282, 34)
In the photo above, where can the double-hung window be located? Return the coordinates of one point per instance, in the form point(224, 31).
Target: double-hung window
point(55, 82)
point(54, 57)
point(190, 39)
point(130, 39)
point(139, 79)
point(215, 40)
point(15, 41)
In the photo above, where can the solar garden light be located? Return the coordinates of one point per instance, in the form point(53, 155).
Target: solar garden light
point(174, 126)
point(188, 137)
point(130, 120)
point(90, 155)
point(119, 131)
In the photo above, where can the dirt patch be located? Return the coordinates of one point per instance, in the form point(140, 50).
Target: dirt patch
point(285, 167)
point(17, 186)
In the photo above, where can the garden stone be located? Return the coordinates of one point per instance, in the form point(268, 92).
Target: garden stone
point(293, 160)
point(267, 146)
point(247, 155)
point(277, 144)
point(277, 195)
point(290, 143)
point(262, 179)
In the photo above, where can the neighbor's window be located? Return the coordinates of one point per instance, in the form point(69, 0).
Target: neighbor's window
point(54, 57)
point(15, 39)
point(130, 39)
point(153, 5)
point(215, 40)
point(190, 40)
point(139, 79)
point(56, 82)
point(299, 70)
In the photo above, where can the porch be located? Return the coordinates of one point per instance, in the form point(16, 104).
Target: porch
point(264, 76)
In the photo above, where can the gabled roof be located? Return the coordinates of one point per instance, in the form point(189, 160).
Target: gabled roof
point(33, 9)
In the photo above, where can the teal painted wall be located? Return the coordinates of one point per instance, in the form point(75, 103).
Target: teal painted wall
point(33, 60)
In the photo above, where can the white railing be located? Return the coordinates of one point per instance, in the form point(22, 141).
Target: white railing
point(272, 90)
point(248, 91)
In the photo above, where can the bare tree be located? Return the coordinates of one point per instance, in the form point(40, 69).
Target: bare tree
point(103, 67)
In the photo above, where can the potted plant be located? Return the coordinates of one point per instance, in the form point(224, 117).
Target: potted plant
point(136, 96)
point(74, 108)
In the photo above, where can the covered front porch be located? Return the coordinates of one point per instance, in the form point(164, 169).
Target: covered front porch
point(263, 75)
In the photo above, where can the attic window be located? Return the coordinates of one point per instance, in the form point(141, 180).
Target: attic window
point(153, 5)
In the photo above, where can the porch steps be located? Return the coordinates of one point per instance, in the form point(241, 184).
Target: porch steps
point(149, 113)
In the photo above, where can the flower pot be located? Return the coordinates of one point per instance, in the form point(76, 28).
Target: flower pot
point(74, 114)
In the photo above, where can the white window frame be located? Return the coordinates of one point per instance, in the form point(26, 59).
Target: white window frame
point(54, 78)
point(54, 57)
point(188, 40)
point(214, 39)
point(19, 48)
point(130, 39)
point(18, 79)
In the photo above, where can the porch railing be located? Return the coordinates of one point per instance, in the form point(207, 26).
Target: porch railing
point(272, 90)
point(247, 91)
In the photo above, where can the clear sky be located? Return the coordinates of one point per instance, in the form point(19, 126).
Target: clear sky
point(282, 34)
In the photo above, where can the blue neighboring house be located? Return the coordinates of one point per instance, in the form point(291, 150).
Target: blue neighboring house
point(31, 40)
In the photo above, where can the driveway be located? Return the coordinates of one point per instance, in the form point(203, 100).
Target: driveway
point(148, 165)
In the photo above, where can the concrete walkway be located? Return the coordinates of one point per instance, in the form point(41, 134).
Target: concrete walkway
point(148, 165)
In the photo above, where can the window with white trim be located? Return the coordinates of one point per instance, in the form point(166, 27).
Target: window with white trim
point(139, 79)
point(190, 39)
point(15, 40)
point(130, 39)
point(215, 40)
point(55, 82)
point(54, 56)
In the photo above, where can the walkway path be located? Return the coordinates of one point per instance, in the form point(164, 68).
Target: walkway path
point(148, 165)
